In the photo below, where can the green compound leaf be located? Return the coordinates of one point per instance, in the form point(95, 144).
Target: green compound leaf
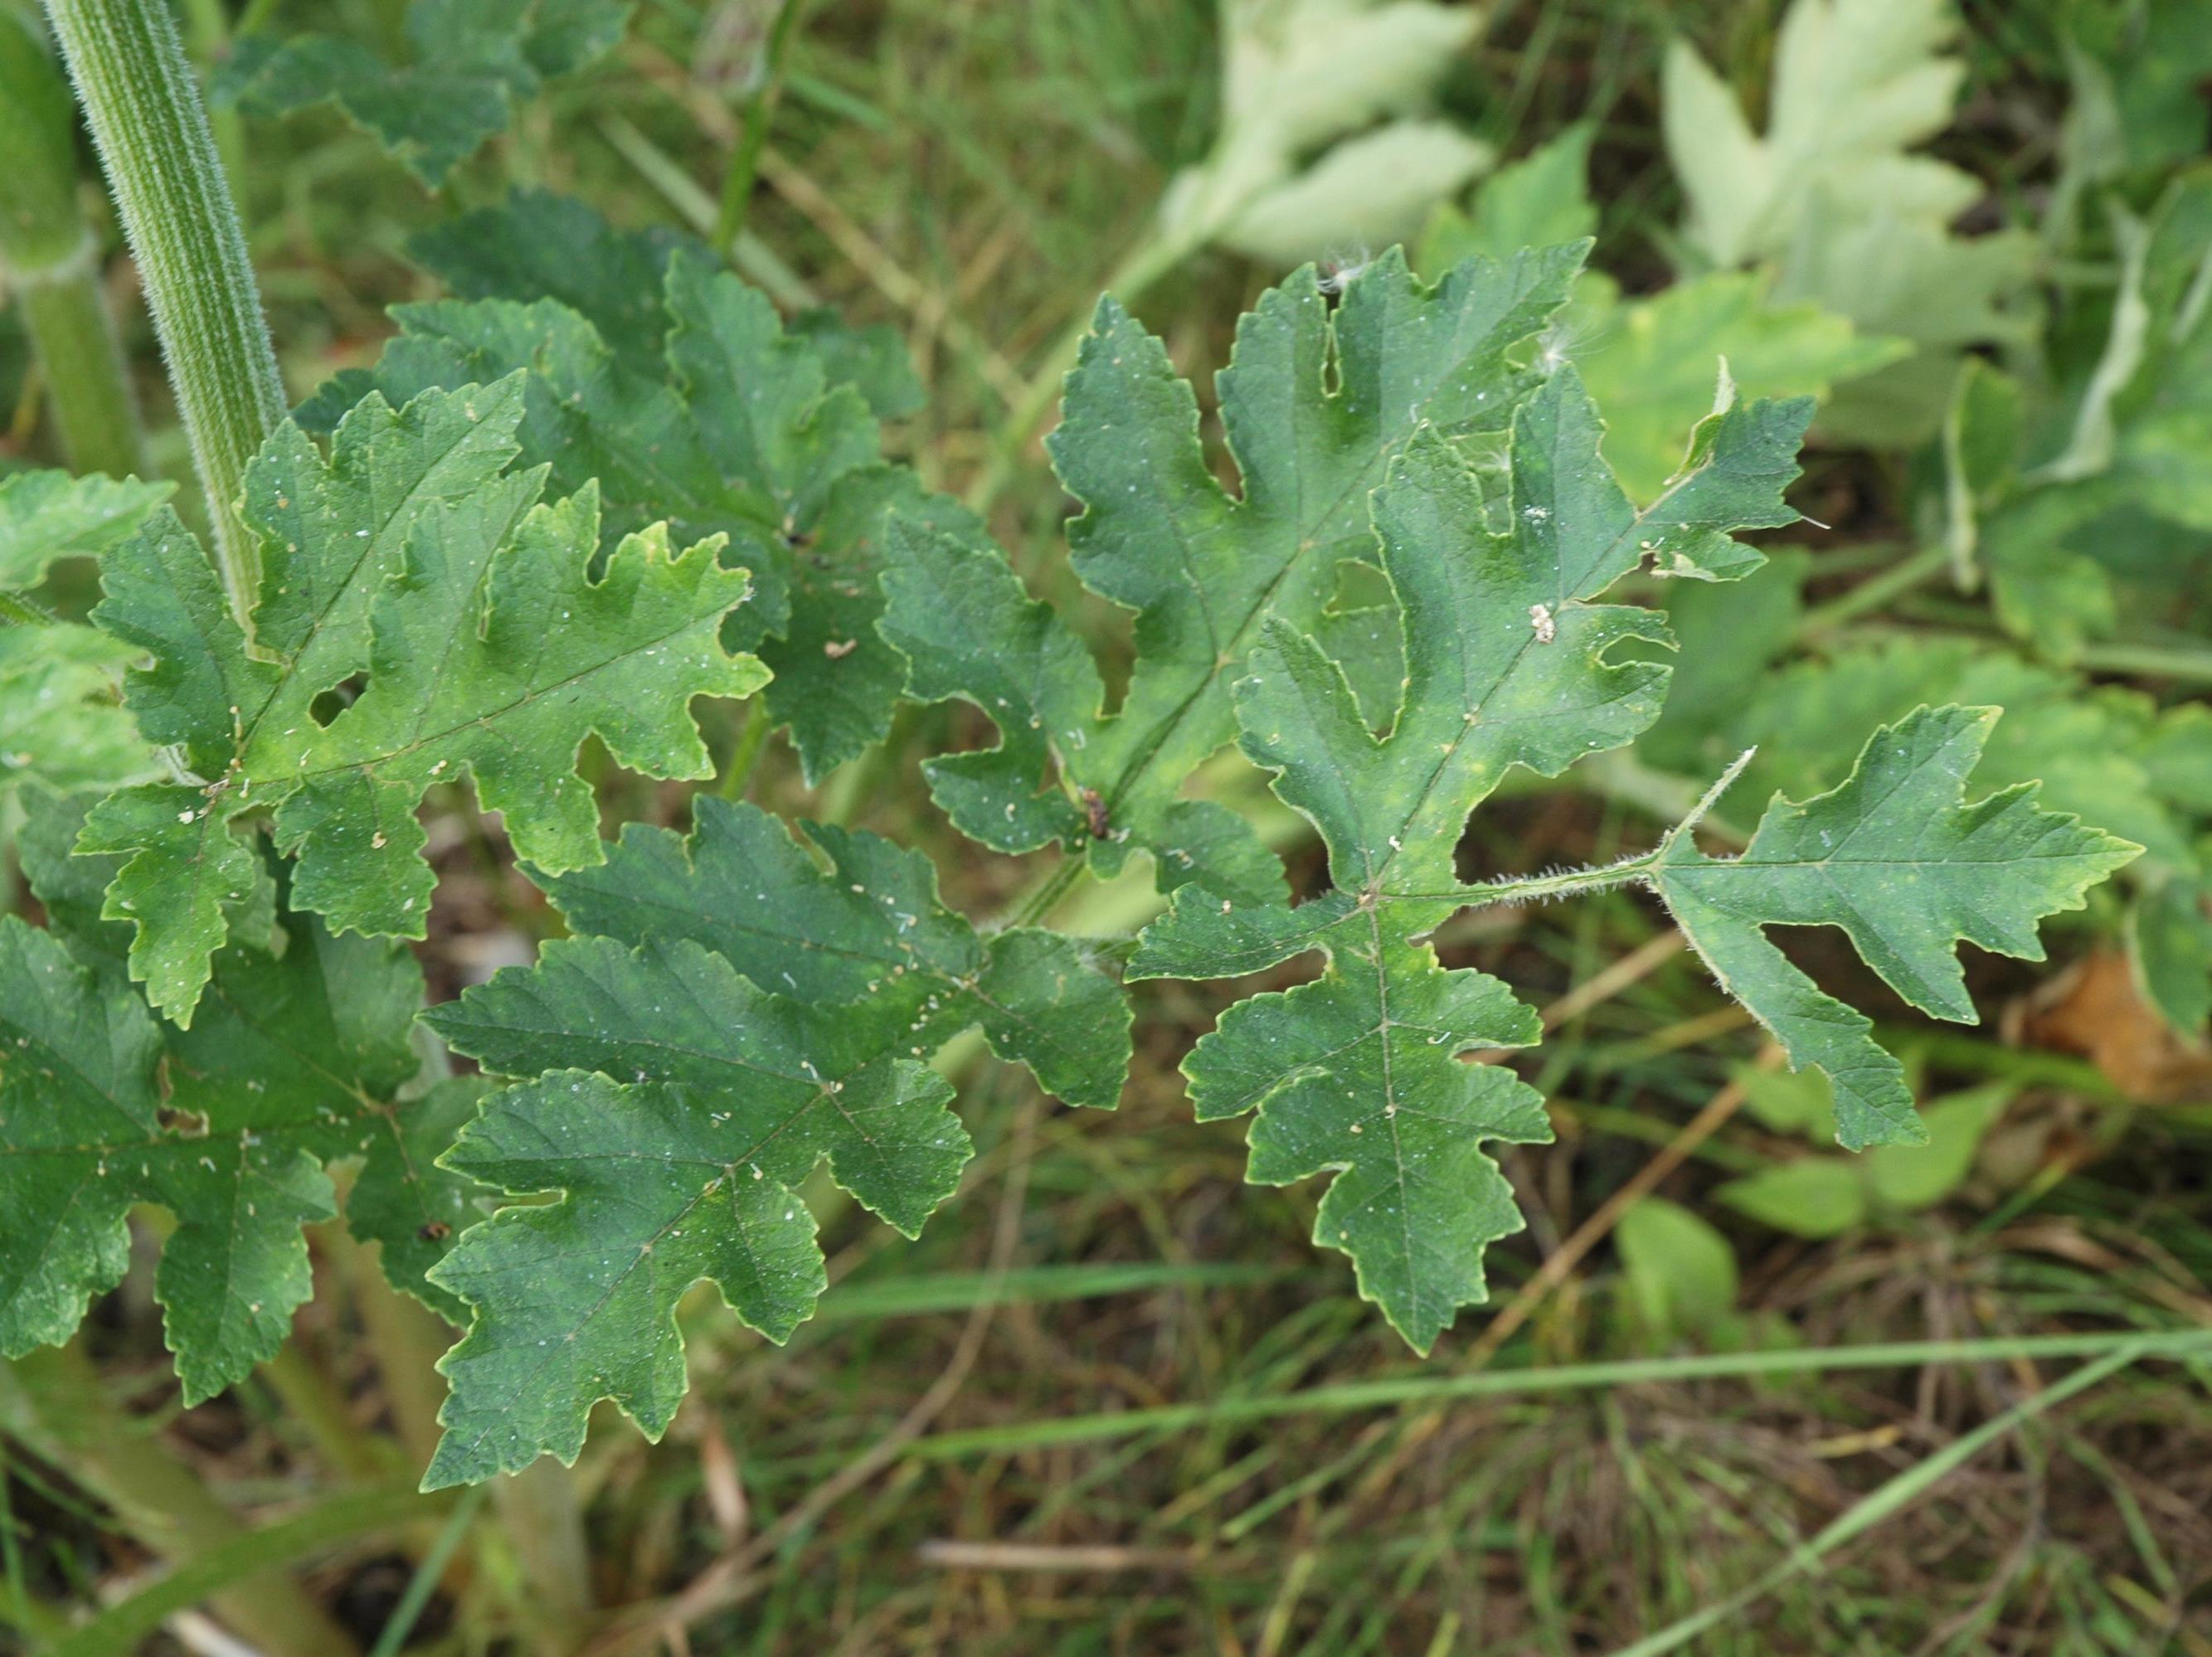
point(2103, 753)
point(1316, 403)
point(472, 62)
point(1896, 858)
point(730, 1013)
point(407, 554)
point(298, 1059)
point(538, 245)
point(700, 407)
point(46, 515)
point(508, 691)
point(1506, 653)
point(1357, 1073)
point(870, 929)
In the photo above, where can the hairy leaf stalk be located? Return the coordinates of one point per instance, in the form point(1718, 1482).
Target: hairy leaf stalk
point(51, 262)
point(159, 157)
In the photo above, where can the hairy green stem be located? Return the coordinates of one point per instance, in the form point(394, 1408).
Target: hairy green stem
point(1032, 908)
point(52, 262)
point(208, 32)
point(760, 112)
point(52, 1399)
point(95, 410)
point(152, 132)
point(40, 224)
point(1537, 887)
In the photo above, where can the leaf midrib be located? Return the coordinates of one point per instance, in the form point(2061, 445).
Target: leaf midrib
point(489, 718)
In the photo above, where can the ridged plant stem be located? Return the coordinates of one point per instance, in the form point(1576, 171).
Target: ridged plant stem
point(160, 156)
point(52, 261)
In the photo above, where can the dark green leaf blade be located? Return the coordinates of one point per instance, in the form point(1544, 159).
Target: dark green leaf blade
point(183, 872)
point(536, 244)
point(691, 401)
point(509, 699)
point(1316, 403)
point(1895, 858)
point(333, 533)
point(409, 1203)
point(1508, 662)
point(870, 930)
point(603, 1321)
point(299, 1057)
point(469, 62)
point(742, 1011)
point(77, 1076)
point(727, 1097)
point(1361, 1074)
